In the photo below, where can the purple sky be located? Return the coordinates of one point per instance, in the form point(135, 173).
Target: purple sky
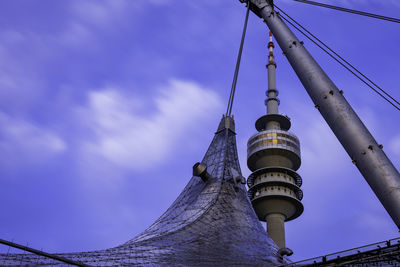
point(105, 106)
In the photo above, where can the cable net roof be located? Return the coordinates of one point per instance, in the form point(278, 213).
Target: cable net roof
point(210, 224)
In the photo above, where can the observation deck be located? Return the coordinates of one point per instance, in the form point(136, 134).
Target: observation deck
point(276, 183)
point(273, 147)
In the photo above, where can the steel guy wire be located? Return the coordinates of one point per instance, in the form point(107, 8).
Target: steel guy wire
point(348, 63)
point(334, 56)
point(353, 11)
point(235, 76)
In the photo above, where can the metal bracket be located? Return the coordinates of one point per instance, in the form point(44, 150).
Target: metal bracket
point(285, 252)
point(257, 5)
point(200, 170)
point(237, 178)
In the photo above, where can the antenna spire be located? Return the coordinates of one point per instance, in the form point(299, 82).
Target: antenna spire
point(271, 47)
point(272, 102)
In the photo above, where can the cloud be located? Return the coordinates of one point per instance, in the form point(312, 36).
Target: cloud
point(159, 2)
point(89, 19)
point(395, 145)
point(135, 135)
point(394, 150)
point(76, 34)
point(25, 141)
point(99, 13)
point(320, 146)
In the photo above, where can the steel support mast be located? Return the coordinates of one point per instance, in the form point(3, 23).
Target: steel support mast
point(358, 142)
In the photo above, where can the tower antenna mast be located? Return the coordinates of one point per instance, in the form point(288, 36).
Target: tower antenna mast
point(273, 156)
point(354, 136)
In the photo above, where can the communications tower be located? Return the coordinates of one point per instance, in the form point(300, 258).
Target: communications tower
point(273, 156)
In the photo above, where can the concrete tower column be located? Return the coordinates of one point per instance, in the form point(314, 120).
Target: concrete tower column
point(276, 228)
point(273, 155)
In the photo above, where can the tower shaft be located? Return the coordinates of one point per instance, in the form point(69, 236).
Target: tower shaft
point(273, 155)
point(276, 228)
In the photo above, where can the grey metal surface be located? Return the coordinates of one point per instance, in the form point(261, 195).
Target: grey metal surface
point(211, 223)
point(361, 146)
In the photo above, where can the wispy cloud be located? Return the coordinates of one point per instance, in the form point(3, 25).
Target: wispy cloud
point(395, 145)
point(99, 13)
point(130, 138)
point(394, 150)
point(27, 142)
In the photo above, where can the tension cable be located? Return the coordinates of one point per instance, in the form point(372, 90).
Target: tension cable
point(235, 76)
point(362, 13)
point(382, 93)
